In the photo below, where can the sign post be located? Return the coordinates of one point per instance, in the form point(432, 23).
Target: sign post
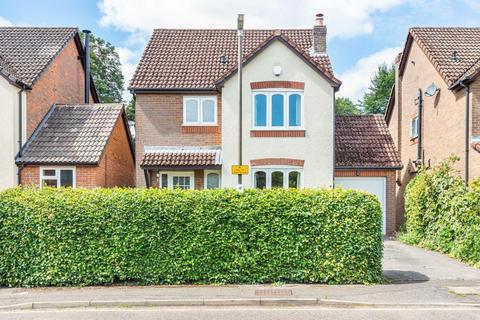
point(240, 113)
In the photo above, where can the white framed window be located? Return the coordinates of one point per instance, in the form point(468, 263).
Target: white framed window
point(57, 177)
point(212, 179)
point(414, 124)
point(199, 111)
point(177, 180)
point(278, 109)
point(268, 178)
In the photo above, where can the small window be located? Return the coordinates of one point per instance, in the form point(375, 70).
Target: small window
point(164, 180)
point(177, 180)
point(212, 180)
point(57, 177)
point(294, 179)
point(260, 110)
point(181, 182)
point(414, 127)
point(277, 179)
point(200, 110)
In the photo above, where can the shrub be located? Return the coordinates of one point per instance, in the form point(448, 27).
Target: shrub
point(56, 237)
point(443, 214)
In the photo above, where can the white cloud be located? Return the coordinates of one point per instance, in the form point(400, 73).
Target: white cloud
point(357, 80)
point(129, 60)
point(345, 18)
point(5, 23)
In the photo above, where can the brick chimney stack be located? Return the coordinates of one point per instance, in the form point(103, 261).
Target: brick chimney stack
point(319, 36)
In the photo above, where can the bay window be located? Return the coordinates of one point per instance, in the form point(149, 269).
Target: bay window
point(200, 110)
point(278, 110)
point(268, 178)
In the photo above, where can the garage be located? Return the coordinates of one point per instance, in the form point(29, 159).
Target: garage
point(374, 185)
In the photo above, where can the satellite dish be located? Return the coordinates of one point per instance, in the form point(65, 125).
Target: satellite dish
point(431, 90)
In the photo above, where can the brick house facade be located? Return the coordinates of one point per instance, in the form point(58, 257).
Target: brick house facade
point(428, 59)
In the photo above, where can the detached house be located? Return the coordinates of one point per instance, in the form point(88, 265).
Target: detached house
point(187, 116)
point(434, 109)
point(44, 138)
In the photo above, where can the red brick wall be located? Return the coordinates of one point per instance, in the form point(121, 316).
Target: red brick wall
point(277, 84)
point(117, 166)
point(158, 121)
point(61, 82)
point(199, 179)
point(86, 176)
point(277, 161)
point(390, 191)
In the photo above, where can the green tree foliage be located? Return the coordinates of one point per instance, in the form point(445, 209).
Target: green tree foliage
point(375, 100)
point(345, 107)
point(59, 237)
point(106, 70)
point(443, 214)
point(131, 109)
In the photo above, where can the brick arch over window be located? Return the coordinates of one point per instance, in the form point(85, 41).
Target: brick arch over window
point(277, 161)
point(277, 84)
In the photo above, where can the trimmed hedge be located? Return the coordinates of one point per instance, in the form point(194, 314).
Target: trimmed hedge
point(443, 214)
point(57, 237)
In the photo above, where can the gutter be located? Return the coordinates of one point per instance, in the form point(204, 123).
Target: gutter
point(20, 131)
point(420, 129)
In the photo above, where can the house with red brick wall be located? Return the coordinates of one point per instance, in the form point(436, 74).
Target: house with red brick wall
point(38, 68)
point(188, 131)
point(79, 146)
point(434, 108)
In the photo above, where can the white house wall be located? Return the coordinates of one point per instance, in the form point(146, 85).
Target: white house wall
point(316, 148)
point(9, 132)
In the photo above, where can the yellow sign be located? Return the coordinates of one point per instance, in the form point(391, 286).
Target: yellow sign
point(239, 169)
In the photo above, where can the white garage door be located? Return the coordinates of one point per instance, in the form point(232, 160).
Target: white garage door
point(375, 186)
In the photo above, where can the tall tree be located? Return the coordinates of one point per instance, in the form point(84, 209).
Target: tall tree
point(345, 107)
point(106, 70)
point(376, 98)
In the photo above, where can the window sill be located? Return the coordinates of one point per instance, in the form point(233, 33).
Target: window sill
point(277, 133)
point(200, 129)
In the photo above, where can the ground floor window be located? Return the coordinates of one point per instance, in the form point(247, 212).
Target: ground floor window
point(267, 178)
point(57, 177)
point(177, 180)
point(212, 179)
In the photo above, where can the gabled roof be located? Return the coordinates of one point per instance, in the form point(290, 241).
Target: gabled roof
point(364, 142)
point(177, 59)
point(439, 45)
point(72, 134)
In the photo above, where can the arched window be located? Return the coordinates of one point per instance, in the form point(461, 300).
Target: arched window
point(277, 110)
point(260, 110)
point(277, 179)
point(294, 179)
point(260, 179)
point(294, 110)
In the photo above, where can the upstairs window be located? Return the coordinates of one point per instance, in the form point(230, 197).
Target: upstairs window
point(414, 127)
point(278, 110)
point(200, 110)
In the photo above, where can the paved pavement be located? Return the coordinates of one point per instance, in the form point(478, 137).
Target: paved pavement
point(417, 281)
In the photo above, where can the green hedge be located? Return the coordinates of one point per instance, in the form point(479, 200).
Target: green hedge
point(443, 214)
point(55, 237)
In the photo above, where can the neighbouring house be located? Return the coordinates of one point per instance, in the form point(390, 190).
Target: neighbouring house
point(434, 108)
point(187, 116)
point(83, 146)
point(38, 67)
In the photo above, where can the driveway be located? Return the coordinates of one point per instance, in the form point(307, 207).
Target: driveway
point(404, 263)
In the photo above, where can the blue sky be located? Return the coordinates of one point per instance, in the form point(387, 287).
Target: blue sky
point(361, 33)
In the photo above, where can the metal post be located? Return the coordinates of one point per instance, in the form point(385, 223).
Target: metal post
point(240, 113)
point(87, 65)
point(467, 134)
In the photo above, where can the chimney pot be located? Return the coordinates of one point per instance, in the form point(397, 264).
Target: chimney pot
point(319, 19)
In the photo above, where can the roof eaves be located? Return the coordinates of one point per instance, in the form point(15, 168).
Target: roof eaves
point(390, 105)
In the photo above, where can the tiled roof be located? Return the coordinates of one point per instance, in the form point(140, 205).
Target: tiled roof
point(364, 142)
point(181, 156)
point(439, 45)
point(28, 51)
point(71, 134)
point(190, 59)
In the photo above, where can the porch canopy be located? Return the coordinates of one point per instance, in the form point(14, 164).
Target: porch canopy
point(158, 159)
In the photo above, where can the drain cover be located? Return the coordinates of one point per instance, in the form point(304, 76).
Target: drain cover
point(273, 292)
